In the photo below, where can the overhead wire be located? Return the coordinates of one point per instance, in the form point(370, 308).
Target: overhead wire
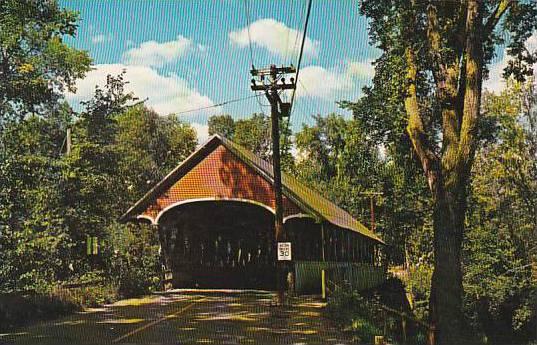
point(216, 105)
point(248, 24)
point(288, 18)
point(301, 49)
point(301, 54)
point(295, 45)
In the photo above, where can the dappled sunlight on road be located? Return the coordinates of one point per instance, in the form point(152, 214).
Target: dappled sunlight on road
point(125, 321)
point(191, 317)
point(70, 323)
point(136, 302)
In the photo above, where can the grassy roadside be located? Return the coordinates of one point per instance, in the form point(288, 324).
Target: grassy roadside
point(363, 314)
point(22, 308)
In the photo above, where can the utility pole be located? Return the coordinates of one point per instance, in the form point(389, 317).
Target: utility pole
point(372, 207)
point(68, 141)
point(271, 80)
point(377, 254)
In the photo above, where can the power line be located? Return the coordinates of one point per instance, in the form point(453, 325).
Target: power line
point(247, 8)
point(307, 101)
point(248, 23)
point(299, 23)
point(216, 105)
point(288, 18)
point(299, 62)
point(301, 49)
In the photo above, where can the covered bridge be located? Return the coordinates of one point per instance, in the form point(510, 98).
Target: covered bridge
point(214, 214)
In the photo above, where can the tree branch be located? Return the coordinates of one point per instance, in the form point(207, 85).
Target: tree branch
point(415, 128)
point(446, 70)
point(472, 92)
point(495, 16)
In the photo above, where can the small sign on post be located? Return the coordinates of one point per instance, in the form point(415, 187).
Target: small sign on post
point(284, 251)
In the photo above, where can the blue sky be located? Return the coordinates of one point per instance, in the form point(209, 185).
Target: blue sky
point(187, 54)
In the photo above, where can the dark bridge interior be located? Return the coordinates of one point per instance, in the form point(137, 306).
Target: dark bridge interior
point(220, 244)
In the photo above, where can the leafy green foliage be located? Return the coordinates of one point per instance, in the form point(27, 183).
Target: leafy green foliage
point(254, 133)
point(52, 202)
point(35, 239)
point(36, 65)
point(378, 311)
point(500, 281)
point(344, 162)
point(135, 260)
point(356, 314)
point(222, 124)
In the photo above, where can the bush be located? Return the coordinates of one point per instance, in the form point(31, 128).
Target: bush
point(355, 314)
point(89, 290)
point(419, 285)
point(18, 309)
point(136, 281)
point(363, 313)
point(90, 296)
point(21, 308)
point(134, 259)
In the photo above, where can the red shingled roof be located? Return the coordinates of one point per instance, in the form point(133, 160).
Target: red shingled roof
point(220, 170)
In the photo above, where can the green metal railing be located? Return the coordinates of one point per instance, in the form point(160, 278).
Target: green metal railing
point(359, 276)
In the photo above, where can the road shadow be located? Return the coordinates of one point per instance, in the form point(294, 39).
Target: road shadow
point(191, 317)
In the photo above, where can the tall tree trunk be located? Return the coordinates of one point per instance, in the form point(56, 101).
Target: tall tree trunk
point(446, 285)
point(447, 167)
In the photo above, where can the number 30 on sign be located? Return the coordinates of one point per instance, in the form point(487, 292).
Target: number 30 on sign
point(284, 251)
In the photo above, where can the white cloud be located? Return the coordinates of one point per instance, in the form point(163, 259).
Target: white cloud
point(495, 83)
point(153, 53)
point(361, 69)
point(317, 81)
point(202, 131)
point(202, 48)
point(166, 94)
point(101, 38)
point(274, 36)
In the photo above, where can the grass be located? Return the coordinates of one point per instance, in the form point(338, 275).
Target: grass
point(17, 309)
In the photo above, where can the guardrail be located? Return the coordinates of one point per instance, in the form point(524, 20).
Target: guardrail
point(362, 276)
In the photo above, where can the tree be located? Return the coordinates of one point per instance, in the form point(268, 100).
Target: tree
point(254, 134)
point(94, 193)
point(222, 124)
point(150, 146)
point(323, 144)
point(499, 275)
point(36, 67)
point(340, 159)
point(32, 228)
point(434, 58)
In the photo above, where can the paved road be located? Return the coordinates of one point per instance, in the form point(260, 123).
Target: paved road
point(189, 317)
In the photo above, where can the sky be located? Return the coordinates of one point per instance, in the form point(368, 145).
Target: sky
point(189, 54)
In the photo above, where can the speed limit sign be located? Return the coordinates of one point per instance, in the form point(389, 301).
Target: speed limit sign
point(284, 251)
